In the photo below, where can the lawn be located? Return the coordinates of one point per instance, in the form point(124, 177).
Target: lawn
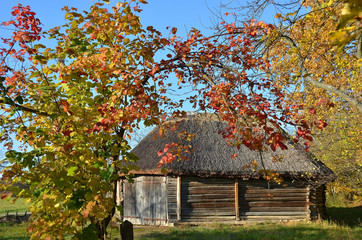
point(344, 223)
point(267, 231)
point(6, 205)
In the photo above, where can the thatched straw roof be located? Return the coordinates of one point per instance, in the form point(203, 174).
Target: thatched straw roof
point(212, 156)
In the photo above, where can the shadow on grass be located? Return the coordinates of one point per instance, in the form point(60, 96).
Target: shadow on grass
point(345, 216)
point(260, 231)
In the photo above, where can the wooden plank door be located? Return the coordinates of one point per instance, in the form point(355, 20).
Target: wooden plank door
point(145, 200)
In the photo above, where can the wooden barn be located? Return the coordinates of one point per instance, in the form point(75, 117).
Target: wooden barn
point(213, 187)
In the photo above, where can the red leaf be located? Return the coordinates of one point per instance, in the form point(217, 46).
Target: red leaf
point(4, 195)
point(322, 124)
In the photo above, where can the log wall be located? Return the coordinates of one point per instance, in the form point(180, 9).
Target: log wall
point(207, 199)
point(159, 200)
point(172, 199)
point(259, 201)
point(317, 199)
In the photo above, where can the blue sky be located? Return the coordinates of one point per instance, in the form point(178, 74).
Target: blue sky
point(182, 14)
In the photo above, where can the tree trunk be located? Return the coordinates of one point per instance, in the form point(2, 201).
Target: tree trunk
point(102, 225)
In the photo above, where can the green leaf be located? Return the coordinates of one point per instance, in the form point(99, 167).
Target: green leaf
point(98, 164)
point(40, 58)
point(71, 171)
point(107, 174)
point(89, 233)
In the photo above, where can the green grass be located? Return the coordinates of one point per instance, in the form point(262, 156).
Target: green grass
point(269, 231)
point(7, 205)
point(344, 223)
point(13, 231)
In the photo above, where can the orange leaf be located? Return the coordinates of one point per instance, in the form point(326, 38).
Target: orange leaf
point(65, 105)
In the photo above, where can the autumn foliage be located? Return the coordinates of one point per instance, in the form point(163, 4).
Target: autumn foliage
point(75, 106)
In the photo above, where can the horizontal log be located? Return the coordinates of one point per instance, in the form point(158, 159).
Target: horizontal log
point(208, 191)
point(209, 205)
point(273, 199)
point(208, 218)
point(275, 194)
point(286, 190)
point(274, 204)
point(201, 200)
point(273, 209)
point(271, 218)
point(208, 187)
point(207, 180)
point(195, 214)
point(172, 208)
point(275, 214)
point(208, 221)
point(206, 183)
point(213, 209)
point(208, 196)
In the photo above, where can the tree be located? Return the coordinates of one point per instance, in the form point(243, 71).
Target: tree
point(315, 57)
point(75, 105)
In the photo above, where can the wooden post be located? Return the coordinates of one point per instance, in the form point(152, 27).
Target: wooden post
point(309, 214)
point(237, 216)
point(127, 230)
point(178, 198)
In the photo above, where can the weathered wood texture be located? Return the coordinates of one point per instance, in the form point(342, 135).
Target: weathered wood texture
point(207, 199)
point(172, 199)
point(259, 201)
point(145, 200)
point(317, 199)
point(152, 200)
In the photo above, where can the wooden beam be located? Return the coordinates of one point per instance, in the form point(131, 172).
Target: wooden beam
point(237, 216)
point(308, 203)
point(178, 196)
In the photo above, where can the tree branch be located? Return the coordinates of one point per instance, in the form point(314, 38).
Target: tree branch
point(304, 72)
point(26, 109)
